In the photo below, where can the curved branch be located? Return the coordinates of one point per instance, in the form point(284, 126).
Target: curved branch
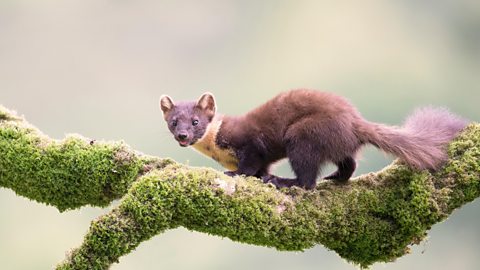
point(375, 217)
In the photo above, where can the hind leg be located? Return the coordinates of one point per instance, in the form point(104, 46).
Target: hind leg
point(345, 170)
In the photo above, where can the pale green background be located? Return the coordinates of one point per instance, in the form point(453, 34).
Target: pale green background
point(98, 68)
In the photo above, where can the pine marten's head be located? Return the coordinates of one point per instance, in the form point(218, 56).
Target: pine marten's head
point(188, 120)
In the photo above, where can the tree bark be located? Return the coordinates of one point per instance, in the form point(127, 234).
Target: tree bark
point(372, 218)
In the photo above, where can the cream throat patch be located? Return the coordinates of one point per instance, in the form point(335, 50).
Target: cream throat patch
point(207, 145)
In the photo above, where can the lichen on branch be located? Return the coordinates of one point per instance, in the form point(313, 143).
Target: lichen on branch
point(372, 218)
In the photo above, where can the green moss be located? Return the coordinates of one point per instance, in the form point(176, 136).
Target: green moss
point(373, 218)
point(188, 197)
point(66, 174)
point(366, 225)
point(194, 199)
point(462, 173)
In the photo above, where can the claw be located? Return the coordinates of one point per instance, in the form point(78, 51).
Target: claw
point(231, 173)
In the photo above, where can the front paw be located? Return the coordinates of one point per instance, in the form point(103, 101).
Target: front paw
point(267, 178)
point(279, 182)
point(231, 173)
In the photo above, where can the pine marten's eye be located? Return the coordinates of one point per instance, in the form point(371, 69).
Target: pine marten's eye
point(195, 122)
point(174, 123)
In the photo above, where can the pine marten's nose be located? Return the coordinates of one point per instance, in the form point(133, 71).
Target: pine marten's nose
point(182, 136)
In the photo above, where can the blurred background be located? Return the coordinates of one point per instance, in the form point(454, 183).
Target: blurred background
point(97, 68)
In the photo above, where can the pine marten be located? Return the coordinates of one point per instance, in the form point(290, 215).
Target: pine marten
point(310, 128)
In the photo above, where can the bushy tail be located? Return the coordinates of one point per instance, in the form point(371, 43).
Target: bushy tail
point(421, 142)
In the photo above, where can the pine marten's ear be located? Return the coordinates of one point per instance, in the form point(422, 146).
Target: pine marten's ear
point(207, 103)
point(166, 104)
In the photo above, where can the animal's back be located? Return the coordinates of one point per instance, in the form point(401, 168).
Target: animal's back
point(289, 107)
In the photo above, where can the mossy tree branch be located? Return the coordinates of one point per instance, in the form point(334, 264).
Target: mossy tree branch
point(375, 217)
point(66, 174)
